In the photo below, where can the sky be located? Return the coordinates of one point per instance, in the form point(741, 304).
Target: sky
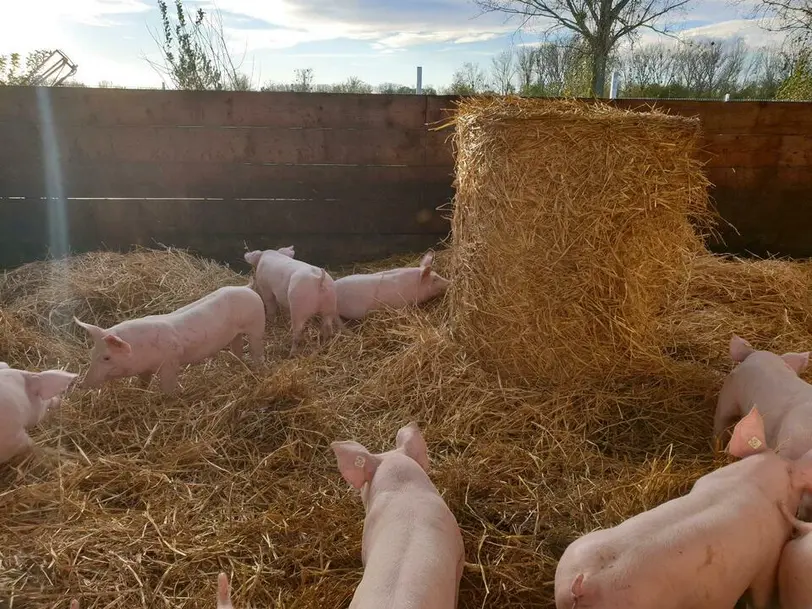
point(376, 40)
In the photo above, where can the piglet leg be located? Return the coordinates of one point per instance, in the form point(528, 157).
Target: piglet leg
point(236, 345)
point(21, 443)
point(255, 347)
point(144, 379)
point(168, 375)
point(763, 585)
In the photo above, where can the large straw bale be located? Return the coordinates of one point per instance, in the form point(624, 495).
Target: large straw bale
point(573, 227)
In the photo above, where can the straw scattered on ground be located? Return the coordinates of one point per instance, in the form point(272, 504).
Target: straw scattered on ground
point(137, 500)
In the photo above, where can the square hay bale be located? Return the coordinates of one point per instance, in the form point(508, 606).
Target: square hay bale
point(574, 224)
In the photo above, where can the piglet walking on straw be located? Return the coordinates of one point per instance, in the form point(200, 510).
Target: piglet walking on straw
point(298, 287)
point(25, 398)
point(771, 382)
point(703, 550)
point(161, 344)
point(412, 549)
point(360, 294)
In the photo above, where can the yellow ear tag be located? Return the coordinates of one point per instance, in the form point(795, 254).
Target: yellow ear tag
point(754, 443)
point(360, 461)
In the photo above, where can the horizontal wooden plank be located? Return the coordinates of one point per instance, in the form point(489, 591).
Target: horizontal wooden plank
point(717, 149)
point(742, 118)
point(20, 178)
point(759, 150)
point(136, 220)
point(331, 251)
point(439, 148)
point(28, 143)
point(716, 117)
point(114, 107)
point(774, 220)
point(766, 178)
point(440, 108)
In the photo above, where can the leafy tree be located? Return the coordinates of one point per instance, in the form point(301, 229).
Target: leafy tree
point(15, 71)
point(798, 85)
point(194, 51)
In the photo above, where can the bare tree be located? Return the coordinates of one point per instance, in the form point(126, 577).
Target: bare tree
point(392, 88)
point(525, 67)
point(710, 69)
point(600, 23)
point(303, 81)
point(793, 17)
point(648, 66)
point(352, 85)
point(503, 70)
point(563, 67)
point(770, 67)
point(468, 80)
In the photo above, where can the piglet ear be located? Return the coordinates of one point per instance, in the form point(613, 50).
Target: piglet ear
point(355, 463)
point(740, 349)
point(117, 344)
point(797, 361)
point(223, 594)
point(74, 604)
point(47, 384)
point(4, 365)
point(252, 258)
point(95, 332)
point(425, 265)
point(411, 441)
point(748, 436)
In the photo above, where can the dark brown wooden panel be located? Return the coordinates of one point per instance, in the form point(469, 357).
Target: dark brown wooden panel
point(136, 220)
point(23, 142)
point(439, 148)
point(323, 250)
point(114, 107)
point(745, 117)
point(113, 179)
point(759, 150)
point(766, 179)
point(440, 108)
point(774, 219)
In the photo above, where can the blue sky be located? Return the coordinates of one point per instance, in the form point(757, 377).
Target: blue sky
point(376, 40)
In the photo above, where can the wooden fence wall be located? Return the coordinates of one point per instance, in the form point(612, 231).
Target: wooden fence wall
point(343, 177)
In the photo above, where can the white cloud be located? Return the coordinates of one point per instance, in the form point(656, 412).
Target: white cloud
point(408, 39)
point(30, 25)
point(748, 30)
point(389, 25)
